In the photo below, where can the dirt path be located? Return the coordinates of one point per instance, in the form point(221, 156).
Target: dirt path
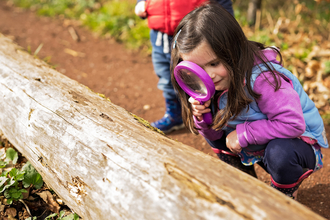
point(127, 78)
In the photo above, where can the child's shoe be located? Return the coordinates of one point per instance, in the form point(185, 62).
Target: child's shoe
point(291, 190)
point(172, 119)
point(235, 161)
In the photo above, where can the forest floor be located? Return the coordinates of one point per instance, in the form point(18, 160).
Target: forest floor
point(128, 79)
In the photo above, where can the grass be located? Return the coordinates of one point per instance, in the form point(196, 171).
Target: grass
point(116, 19)
point(295, 27)
point(326, 118)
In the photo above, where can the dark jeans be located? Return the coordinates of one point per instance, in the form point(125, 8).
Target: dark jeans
point(285, 160)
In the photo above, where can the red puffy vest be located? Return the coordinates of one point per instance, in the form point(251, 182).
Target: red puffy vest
point(165, 15)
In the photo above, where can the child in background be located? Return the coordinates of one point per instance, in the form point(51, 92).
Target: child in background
point(261, 114)
point(163, 17)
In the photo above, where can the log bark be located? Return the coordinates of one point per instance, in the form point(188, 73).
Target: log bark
point(107, 163)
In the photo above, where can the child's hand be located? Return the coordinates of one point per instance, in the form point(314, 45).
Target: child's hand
point(232, 142)
point(140, 9)
point(197, 109)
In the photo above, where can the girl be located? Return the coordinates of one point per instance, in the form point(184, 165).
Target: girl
point(261, 113)
point(163, 17)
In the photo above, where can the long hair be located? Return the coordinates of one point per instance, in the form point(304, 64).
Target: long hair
point(213, 24)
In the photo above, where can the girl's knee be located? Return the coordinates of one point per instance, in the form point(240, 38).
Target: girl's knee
point(278, 153)
point(286, 159)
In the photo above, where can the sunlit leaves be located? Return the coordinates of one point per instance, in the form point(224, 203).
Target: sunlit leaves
point(31, 176)
point(11, 155)
point(10, 180)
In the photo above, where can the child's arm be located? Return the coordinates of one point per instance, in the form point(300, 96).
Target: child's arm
point(140, 9)
point(283, 109)
point(203, 128)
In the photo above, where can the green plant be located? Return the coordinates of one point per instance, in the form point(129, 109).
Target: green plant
point(72, 216)
point(327, 67)
point(117, 19)
point(109, 18)
point(326, 118)
point(11, 182)
point(31, 176)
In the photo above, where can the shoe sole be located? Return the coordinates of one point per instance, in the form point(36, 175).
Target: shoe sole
point(174, 128)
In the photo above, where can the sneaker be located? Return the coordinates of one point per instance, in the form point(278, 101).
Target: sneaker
point(172, 119)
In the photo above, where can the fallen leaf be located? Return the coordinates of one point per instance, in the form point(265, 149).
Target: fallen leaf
point(11, 212)
point(49, 199)
point(312, 67)
point(326, 82)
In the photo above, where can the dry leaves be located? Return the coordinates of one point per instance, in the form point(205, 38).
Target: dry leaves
point(36, 202)
point(312, 68)
point(49, 199)
point(316, 78)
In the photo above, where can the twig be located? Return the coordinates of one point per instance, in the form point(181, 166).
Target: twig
point(38, 49)
point(270, 20)
point(74, 34)
point(258, 19)
point(27, 208)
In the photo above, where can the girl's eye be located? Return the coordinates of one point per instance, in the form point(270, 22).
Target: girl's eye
point(215, 63)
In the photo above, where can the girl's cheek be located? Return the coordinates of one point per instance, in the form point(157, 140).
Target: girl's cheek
point(208, 71)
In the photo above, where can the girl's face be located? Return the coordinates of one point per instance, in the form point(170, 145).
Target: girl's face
point(204, 56)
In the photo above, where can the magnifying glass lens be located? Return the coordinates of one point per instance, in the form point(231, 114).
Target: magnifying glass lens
point(193, 82)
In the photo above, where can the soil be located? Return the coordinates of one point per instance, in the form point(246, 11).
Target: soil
point(128, 79)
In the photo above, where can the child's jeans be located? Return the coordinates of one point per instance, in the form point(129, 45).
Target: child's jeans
point(161, 59)
point(286, 160)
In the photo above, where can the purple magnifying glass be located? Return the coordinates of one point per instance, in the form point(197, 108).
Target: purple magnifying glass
point(196, 83)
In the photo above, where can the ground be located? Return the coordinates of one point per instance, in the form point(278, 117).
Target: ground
point(127, 78)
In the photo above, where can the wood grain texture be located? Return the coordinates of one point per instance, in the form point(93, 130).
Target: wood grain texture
point(105, 164)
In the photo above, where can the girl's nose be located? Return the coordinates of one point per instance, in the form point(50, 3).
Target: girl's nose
point(211, 74)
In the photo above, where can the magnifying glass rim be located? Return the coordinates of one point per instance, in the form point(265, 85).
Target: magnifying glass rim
point(201, 74)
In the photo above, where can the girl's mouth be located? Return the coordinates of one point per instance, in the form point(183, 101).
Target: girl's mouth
point(217, 82)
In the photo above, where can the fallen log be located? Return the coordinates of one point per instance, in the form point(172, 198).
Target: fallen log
point(107, 163)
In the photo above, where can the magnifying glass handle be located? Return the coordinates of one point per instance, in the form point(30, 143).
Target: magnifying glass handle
point(207, 117)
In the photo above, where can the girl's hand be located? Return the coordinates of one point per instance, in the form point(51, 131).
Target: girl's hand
point(197, 109)
point(232, 142)
point(140, 9)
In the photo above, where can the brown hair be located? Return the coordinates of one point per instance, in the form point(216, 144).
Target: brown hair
point(213, 24)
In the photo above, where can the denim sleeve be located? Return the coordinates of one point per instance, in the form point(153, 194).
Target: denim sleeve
point(227, 4)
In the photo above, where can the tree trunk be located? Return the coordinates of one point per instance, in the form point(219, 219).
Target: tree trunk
point(254, 6)
point(107, 163)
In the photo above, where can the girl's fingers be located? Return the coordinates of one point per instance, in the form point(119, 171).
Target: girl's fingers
point(197, 109)
point(197, 114)
point(200, 112)
point(201, 109)
point(207, 104)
